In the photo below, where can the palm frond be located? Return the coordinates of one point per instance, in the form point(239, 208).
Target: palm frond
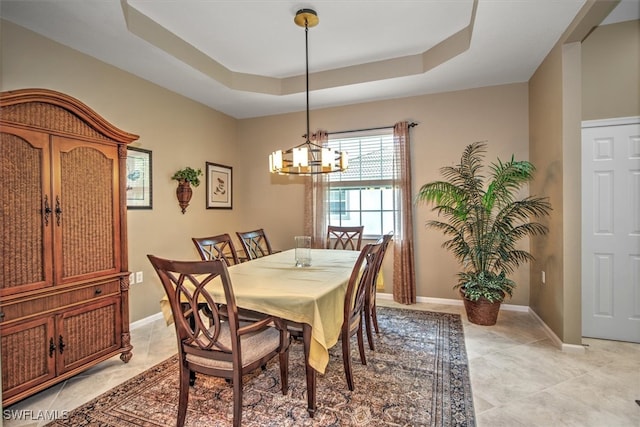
point(441, 193)
point(523, 210)
point(506, 180)
point(511, 261)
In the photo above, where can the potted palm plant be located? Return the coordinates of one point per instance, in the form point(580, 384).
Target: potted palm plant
point(484, 220)
point(186, 177)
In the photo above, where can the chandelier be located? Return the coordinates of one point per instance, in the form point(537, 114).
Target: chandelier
point(307, 158)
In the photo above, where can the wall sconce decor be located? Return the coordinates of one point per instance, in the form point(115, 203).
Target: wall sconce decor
point(186, 177)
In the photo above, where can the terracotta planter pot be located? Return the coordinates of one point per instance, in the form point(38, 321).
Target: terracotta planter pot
point(184, 193)
point(481, 312)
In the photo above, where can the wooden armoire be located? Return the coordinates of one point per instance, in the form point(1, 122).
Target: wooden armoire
point(64, 282)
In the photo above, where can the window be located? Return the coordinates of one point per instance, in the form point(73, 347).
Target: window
point(363, 194)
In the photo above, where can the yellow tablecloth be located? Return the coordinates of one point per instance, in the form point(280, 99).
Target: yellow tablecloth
point(312, 295)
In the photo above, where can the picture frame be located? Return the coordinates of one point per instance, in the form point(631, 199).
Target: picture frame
point(219, 186)
point(139, 179)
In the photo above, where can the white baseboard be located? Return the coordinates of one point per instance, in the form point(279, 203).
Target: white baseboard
point(573, 348)
point(146, 320)
point(458, 302)
point(507, 307)
point(554, 338)
point(444, 301)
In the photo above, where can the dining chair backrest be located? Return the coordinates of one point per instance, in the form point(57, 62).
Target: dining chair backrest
point(255, 243)
point(384, 240)
point(217, 247)
point(361, 275)
point(211, 342)
point(195, 311)
point(349, 238)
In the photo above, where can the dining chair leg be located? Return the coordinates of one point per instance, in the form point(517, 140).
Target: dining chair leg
point(346, 358)
point(363, 357)
point(237, 399)
point(374, 317)
point(367, 323)
point(183, 395)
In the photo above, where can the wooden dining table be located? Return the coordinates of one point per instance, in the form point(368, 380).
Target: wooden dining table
point(312, 297)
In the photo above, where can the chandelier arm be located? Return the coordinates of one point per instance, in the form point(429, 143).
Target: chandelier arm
point(310, 145)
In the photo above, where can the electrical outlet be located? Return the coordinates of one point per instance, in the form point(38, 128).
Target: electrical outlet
point(132, 279)
point(138, 276)
point(544, 278)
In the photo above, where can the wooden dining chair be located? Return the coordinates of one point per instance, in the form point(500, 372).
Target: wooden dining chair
point(217, 247)
point(255, 243)
point(354, 299)
point(344, 237)
point(210, 343)
point(370, 314)
point(222, 247)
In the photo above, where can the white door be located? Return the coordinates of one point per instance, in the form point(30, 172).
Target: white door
point(611, 229)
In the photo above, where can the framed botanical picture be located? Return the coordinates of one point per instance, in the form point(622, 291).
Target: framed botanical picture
point(139, 184)
point(219, 186)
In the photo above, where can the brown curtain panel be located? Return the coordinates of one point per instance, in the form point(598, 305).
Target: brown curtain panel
point(316, 190)
point(404, 280)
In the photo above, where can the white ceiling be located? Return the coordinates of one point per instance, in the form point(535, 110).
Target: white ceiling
point(247, 58)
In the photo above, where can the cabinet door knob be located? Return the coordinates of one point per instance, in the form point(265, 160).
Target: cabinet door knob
point(47, 210)
point(98, 291)
point(61, 344)
point(52, 347)
point(58, 210)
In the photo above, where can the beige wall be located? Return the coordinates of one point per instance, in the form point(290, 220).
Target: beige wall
point(571, 183)
point(610, 70)
point(545, 123)
point(447, 123)
point(554, 120)
point(568, 87)
point(180, 132)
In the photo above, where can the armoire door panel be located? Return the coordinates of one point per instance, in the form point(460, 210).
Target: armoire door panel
point(87, 229)
point(28, 355)
point(25, 220)
point(88, 332)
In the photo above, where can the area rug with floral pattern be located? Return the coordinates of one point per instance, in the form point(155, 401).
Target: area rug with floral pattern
point(417, 376)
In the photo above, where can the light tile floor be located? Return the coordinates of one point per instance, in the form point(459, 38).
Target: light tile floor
point(518, 377)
